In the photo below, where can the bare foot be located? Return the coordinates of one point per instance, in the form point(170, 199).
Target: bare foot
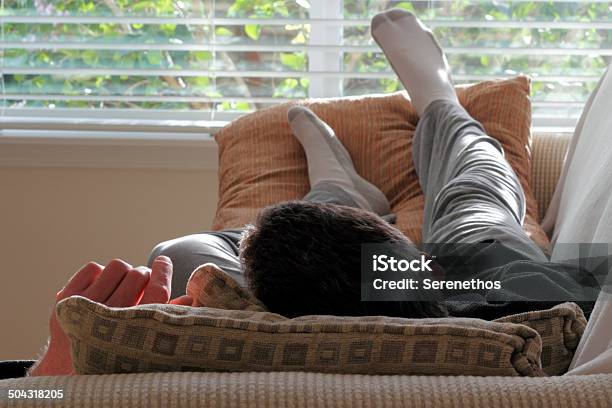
point(116, 285)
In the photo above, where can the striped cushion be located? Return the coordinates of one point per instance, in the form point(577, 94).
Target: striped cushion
point(261, 163)
point(548, 152)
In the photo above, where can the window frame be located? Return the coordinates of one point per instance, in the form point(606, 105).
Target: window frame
point(25, 131)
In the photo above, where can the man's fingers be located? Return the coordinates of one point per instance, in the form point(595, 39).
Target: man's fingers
point(184, 300)
point(130, 289)
point(81, 280)
point(160, 285)
point(106, 283)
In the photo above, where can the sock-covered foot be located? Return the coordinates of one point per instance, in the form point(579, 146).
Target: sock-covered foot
point(415, 55)
point(329, 161)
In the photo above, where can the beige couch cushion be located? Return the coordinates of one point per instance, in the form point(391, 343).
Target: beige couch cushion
point(261, 163)
point(309, 390)
point(177, 338)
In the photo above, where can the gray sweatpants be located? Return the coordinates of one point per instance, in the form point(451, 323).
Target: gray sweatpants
point(472, 196)
point(474, 210)
point(471, 193)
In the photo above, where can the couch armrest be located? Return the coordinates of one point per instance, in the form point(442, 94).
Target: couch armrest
point(548, 153)
point(298, 389)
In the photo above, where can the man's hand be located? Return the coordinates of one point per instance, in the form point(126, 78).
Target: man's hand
point(117, 284)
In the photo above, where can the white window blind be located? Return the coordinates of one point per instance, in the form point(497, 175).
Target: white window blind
point(192, 65)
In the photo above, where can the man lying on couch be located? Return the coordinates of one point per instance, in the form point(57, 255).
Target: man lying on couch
point(304, 257)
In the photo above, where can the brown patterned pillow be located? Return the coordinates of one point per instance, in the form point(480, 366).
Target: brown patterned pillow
point(560, 328)
point(209, 286)
point(261, 163)
point(150, 338)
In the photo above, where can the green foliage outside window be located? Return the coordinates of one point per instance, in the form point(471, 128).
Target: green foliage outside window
point(133, 81)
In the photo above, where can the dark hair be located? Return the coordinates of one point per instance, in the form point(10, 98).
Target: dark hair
point(303, 258)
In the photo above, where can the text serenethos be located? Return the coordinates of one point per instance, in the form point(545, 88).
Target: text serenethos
point(431, 284)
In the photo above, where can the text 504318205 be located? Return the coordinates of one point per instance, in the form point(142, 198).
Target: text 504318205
point(35, 394)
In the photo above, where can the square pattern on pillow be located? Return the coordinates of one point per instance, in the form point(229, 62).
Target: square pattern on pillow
point(559, 327)
point(261, 163)
point(151, 338)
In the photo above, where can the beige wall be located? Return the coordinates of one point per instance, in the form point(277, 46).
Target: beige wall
point(54, 220)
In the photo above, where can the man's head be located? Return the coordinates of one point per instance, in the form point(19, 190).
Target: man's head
point(304, 258)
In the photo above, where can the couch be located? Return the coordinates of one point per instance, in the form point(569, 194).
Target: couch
point(215, 389)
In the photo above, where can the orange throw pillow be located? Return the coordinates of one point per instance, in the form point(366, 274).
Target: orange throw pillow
point(261, 163)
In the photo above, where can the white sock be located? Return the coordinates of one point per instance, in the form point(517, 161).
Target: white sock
point(416, 57)
point(329, 161)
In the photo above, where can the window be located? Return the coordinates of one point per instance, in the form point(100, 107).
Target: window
point(195, 64)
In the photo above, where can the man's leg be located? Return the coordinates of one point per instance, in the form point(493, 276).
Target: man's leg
point(471, 193)
point(474, 209)
point(474, 203)
point(332, 175)
point(333, 179)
